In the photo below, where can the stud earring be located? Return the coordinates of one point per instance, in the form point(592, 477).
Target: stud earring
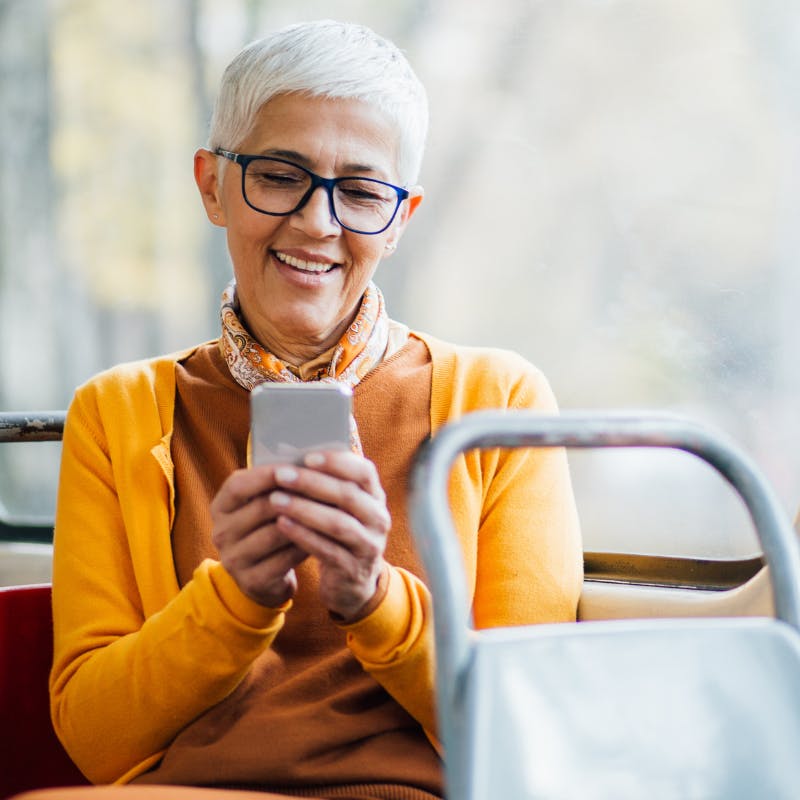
point(390, 247)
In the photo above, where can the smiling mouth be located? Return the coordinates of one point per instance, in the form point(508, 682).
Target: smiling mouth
point(316, 267)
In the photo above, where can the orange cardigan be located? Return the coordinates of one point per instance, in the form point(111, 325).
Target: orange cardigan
point(136, 657)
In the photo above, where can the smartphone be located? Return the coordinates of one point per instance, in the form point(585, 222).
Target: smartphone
point(289, 420)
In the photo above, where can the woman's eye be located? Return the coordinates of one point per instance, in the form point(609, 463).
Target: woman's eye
point(360, 194)
point(363, 193)
point(277, 178)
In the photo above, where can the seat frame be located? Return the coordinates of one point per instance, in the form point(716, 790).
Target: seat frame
point(525, 744)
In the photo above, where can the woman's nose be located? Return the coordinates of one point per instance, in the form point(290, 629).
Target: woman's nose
point(316, 217)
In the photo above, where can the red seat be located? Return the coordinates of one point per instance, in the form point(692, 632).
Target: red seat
point(31, 757)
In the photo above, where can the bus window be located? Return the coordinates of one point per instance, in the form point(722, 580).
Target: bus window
point(609, 189)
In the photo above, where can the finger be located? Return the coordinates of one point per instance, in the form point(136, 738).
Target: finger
point(346, 582)
point(268, 579)
point(270, 567)
point(339, 527)
point(338, 509)
point(348, 466)
point(238, 524)
point(345, 551)
point(341, 492)
point(241, 486)
point(259, 545)
point(266, 589)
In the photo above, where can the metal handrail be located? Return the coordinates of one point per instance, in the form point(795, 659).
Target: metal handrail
point(28, 426)
point(33, 426)
point(433, 528)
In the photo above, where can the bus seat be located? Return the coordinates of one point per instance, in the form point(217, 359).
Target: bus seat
point(604, 600)
point(689, 708)
point(623, 709)
point(31, 756)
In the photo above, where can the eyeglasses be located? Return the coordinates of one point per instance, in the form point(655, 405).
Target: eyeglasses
point(279, 188)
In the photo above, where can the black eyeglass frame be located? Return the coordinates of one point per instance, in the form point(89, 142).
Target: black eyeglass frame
point(329, 184)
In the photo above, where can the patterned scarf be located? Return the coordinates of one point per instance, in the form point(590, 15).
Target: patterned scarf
point(360, 349)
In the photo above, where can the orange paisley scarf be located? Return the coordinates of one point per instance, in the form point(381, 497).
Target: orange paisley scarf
point(360, 349)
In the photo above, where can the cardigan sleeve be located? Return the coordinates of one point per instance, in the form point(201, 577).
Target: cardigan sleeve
point(529, 554)
point(395, 645)
point(124, 681)
point(515, 514)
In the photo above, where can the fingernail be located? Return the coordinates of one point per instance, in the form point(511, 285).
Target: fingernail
point(287, 474)
point(279, 499)
point(314, 460)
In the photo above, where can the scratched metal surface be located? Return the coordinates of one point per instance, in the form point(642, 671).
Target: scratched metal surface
point(33, 426)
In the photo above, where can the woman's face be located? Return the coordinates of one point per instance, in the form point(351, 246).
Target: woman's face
point(300, 278)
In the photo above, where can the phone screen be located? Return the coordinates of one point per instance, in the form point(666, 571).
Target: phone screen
point(289, 420)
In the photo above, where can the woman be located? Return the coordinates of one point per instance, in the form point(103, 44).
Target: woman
point(267, 628)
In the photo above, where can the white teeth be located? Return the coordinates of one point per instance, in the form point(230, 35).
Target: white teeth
point(299, 263)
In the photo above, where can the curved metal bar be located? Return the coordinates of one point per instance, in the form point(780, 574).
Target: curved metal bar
point(436, 538)
point(34, 426)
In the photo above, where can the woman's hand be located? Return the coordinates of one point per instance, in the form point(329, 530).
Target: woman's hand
point(334, 508)
point(255, 552)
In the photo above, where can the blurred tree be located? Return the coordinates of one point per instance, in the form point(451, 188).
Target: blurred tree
point(610, 189)
point(29, 274)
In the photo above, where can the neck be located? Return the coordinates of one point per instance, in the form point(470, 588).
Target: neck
point(297, 351)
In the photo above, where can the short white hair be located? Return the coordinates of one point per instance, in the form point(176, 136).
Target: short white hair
point(324, 59)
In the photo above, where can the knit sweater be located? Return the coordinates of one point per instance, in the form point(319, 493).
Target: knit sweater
point(138, 656)
point(306, 718)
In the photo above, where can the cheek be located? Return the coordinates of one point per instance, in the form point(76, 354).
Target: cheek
point(250, 232)
point(367, 252)
point(245, 227)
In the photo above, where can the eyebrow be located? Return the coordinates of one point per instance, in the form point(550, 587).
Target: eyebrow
point(293, 155)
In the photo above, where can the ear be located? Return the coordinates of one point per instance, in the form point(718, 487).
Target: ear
point(415, 198)
point(416, 193)
point(206, 176)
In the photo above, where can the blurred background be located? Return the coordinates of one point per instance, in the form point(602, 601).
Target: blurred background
point(611, 190)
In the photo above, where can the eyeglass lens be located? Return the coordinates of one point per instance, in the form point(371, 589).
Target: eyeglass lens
point(278, 188)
